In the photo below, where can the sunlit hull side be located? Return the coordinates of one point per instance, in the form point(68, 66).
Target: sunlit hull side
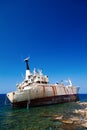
point(45, 101)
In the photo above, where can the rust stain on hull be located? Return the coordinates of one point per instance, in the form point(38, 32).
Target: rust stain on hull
point(43, 91)
point(54, 90)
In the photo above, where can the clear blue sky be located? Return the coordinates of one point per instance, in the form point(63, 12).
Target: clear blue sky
point(53, 33)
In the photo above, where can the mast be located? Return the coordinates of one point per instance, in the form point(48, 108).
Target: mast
point(27, 69)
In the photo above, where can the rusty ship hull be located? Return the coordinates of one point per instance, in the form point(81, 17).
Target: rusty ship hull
point(39, 95)
point(47, 101)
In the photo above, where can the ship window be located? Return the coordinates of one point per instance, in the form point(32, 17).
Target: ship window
point(29, 77)
point(26, 81)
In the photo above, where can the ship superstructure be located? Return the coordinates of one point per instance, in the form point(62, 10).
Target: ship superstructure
point(35, 90)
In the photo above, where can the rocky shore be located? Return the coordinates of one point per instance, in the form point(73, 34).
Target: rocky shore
point(75, 120)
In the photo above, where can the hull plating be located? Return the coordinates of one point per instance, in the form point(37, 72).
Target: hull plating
point(47, 101)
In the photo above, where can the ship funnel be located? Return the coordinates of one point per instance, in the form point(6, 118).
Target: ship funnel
point(27, 68)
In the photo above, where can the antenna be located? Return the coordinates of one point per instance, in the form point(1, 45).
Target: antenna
point(70, 82)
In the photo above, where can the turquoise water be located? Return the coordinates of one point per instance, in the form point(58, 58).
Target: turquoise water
point(37, 118)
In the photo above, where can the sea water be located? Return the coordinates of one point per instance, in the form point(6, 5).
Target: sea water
point(37, 118)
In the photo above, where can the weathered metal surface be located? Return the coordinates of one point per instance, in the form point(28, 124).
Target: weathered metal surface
point(47, 101)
